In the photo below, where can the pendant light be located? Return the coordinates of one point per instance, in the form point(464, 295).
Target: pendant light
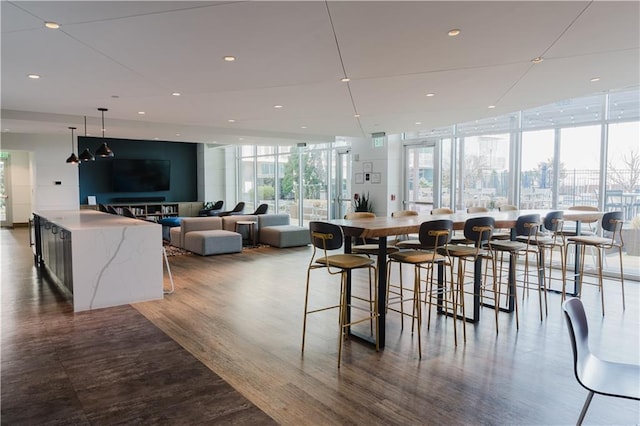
point(86, 154)
point(73, 159)
point(104, 151)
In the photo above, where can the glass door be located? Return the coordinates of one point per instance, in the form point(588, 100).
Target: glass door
point(420, 184)
point(5, 189)
point(342, 185)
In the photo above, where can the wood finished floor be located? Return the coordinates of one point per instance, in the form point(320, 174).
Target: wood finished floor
point(107, 366)
point(241, 316)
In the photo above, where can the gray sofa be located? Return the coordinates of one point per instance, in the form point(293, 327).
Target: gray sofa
point(205, 236)
point(276, 230)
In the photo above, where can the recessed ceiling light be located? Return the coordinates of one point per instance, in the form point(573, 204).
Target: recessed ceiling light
point(176, 94)
point(345, 79)
point(33, 76)
point(537, 60)
point(156, 139)
point(418, 122)
point(229, 58)
point(303, 127)
point(454, 32)
point(356, 115)
point(52, 25)
point(491, 106)
point(141, 112)
point(115, 96)
point(240, 139)
point(277, 106)
point(430, 95)
point(594, 79)
point(231, 120)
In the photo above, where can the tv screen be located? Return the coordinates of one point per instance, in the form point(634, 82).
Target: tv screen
point(141, 175)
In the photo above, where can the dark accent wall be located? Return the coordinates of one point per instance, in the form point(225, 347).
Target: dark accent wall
point(96, 176)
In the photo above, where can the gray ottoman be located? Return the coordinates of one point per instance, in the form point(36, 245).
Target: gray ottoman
point(205, 243)
point(285, 236)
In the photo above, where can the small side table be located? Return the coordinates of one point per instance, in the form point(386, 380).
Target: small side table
point(252, 228)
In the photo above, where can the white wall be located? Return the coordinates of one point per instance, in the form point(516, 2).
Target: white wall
point(47, 164)
point(386, 160)
point(213, 172)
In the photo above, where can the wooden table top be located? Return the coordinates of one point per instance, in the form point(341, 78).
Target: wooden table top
point(385, 226)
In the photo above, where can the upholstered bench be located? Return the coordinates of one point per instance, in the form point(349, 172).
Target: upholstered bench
point(275, 230)
point(213, 242)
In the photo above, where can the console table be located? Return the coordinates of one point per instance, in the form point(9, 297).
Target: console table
point(100, 259)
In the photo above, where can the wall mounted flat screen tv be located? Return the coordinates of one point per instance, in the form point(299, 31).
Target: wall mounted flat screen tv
point(141, 175)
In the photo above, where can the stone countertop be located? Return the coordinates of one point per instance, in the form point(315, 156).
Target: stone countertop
point(77, 220)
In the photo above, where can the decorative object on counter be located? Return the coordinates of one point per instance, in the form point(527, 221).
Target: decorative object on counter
point(73, 158)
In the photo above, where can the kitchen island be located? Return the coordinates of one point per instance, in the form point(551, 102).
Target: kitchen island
point(100, 259)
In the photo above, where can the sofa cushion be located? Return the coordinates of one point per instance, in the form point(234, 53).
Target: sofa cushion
point(285, 236)
point(189, 224)
point(213, 242)
point(273, 219)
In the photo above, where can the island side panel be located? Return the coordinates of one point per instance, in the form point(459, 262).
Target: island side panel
point(116, 265)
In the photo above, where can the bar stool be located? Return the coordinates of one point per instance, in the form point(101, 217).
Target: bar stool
point(433, 236)
point(611, 222)
point(478, 230)
point(368, 249)
point(526, 233)
point(326, 237)
point(549, 241)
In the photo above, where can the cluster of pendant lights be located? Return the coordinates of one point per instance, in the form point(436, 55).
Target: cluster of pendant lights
point(103, 151)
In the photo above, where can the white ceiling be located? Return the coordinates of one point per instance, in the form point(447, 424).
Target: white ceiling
point(130, 56)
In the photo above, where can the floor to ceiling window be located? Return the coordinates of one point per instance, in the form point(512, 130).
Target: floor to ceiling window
point(536, 170)
point(484, 179)
point(579, 176)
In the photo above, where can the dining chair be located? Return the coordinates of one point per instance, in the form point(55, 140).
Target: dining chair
point(478, 230)
point(593, 373)
point(433, 235)
point(127, 212)
point(526, 234)
point(612, 224)
point(326, 237)
point(262, 209)
point(238, 209)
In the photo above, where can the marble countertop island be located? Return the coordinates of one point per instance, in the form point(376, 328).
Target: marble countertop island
point(114, 260)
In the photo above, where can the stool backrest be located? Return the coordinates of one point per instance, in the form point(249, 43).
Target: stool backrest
point(479, 229)
point(527, 225)
point(325, 236)
point(612, 221)
point(404, 213)
point(435, 233)
point(442, 210)
point(359, 215)
point(553, 221)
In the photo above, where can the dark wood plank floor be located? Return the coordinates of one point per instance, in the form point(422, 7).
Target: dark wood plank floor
point(241, 315)
point(107, 366)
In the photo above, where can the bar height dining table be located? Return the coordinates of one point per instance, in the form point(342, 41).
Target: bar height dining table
point(382, 227)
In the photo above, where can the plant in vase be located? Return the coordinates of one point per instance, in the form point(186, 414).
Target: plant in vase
point(362, 203)
point(631, 237)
